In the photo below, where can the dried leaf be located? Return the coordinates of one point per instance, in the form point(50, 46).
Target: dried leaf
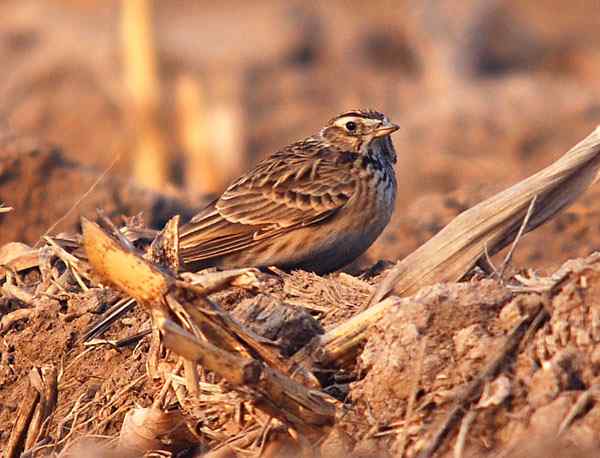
point(495, 393)
point(150, 428)
point(164, 250)
point(125, 269)
point(17, 256)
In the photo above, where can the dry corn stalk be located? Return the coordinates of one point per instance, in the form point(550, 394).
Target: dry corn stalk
point(149, 160)
point(201, 171)
point(226, 115)
point(199, 331)
point(210, 131)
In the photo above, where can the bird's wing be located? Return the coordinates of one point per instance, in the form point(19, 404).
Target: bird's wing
point(299, 186)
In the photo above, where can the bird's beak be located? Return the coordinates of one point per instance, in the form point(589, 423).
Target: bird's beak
point(386, 128)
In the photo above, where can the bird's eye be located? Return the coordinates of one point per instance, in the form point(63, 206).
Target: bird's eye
point(351, 126)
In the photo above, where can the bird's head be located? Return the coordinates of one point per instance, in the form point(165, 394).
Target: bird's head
point(359, 131)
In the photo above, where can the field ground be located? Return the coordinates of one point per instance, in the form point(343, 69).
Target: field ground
point(486, 93)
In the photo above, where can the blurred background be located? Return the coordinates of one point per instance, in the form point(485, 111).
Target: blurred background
point(182, 96)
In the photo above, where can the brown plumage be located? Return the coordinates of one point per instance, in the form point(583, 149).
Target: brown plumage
point(317, 204)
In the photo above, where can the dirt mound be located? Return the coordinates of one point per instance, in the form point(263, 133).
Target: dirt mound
point(542, 389)
point(37, 176)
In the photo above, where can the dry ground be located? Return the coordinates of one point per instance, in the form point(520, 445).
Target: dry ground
point(486, 94)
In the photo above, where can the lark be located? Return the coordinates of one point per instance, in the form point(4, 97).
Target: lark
point(316, 205)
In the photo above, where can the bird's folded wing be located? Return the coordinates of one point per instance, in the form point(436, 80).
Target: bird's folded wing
point(279, 195)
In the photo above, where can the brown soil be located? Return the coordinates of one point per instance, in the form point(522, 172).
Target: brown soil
point(464, 324)
point(39, 176)
point(486, 93)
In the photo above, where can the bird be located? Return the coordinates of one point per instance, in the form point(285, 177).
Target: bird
point(316, 205)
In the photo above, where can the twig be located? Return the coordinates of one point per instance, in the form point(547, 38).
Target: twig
point(135, 338)
point(413, 396)
point(206, 283)
point(118, 343)
point(264, 434)
point(465, 427)
point(77, 277)
point(99, 426)
point(81, 199)
point(540, 318)
point(191, 377)
point(309, 411)
point(230, 350)
point(488, 258)
point(121, 307)
point(16, 441)
point(225, 449)
point(541, 285)
point(336, 344)
point(21, 294)
point(41, 444)
point(73, 415)
point(106, 407)
point(70, 261)
point(36, 407)
point(578, 408)
point(509, 255)
point(105, 221)
point(45, 381)
point(159, 400)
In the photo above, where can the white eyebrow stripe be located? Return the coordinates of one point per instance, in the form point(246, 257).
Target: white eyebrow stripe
point(341, 122)
point(345, 119)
